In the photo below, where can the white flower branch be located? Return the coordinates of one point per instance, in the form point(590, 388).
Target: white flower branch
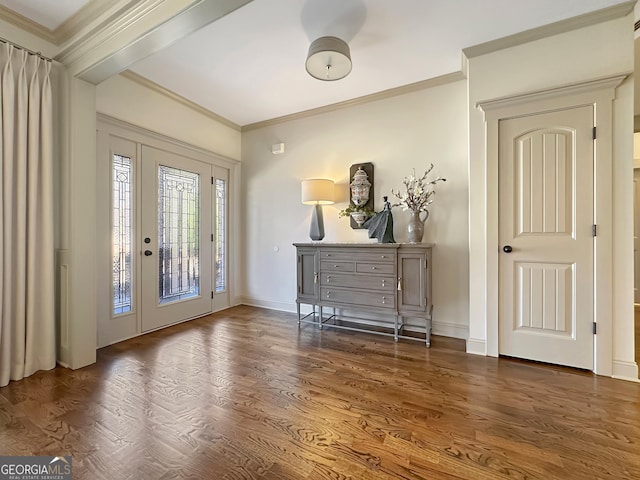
point(418, 191)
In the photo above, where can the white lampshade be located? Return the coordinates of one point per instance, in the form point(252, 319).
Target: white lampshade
point(317, 191)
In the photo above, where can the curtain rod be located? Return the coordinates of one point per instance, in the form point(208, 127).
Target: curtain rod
point(20, 47)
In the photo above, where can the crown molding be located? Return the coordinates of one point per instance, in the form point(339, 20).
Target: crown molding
point(413, 87)
point(574, 23)
point(89, 12)
point(27, 24)
point(107, 48)
point(122, 14)
point(69, 28)
point(373, 97)
point(145, 82)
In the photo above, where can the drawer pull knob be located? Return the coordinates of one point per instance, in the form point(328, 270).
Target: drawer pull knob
point(328, 294)
point(373, 268)
point(384, 299)
point(384, 283)
point(383, 256)
point(328, 278)
point(336, 266)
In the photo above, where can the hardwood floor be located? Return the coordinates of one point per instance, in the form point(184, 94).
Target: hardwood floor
point(244, 394)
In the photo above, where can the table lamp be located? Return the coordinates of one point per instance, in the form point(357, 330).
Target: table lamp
point(317, 192)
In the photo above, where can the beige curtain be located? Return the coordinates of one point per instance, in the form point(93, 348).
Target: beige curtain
point(27, 319)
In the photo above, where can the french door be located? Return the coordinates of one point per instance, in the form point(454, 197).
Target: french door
point(162, 226)
point(176, 238)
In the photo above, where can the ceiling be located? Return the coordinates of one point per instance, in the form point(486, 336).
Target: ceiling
point(48, 13)
point(249, 66)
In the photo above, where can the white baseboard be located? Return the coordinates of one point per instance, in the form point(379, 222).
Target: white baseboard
point(445, 329)
point(438, 328)
point(270, 304)
point(625, 371)
point(476, 346)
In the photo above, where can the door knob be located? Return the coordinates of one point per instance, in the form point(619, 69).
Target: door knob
point(147, 240)
point(148, 253)
point(507, 249)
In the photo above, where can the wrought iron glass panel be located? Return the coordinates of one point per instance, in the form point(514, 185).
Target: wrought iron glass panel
point(122, 233)
point(220, 246)
point(178, 234)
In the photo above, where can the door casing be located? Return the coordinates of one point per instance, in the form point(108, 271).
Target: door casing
point(600, 94)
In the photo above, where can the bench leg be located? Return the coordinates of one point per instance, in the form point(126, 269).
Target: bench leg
point(428, 334)
point(428, 325)
point(395, 329)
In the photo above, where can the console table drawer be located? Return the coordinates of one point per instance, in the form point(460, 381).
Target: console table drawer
point(376, 268)
point(333, 266)
point(358, 297)
point(381, 255)
point(387, 283)
point(365, 276)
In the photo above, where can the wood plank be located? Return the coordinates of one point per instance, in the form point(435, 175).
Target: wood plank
point(244, 393)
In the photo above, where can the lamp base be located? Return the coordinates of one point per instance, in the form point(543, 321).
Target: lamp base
point(316, 232)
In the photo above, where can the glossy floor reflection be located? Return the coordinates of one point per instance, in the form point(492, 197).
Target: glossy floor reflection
point(245, 394)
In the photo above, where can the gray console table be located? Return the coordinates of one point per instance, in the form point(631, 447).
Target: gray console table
point(386, 278)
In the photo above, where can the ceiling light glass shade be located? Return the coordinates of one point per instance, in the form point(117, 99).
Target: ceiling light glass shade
point(328, 59)
point(317, 191)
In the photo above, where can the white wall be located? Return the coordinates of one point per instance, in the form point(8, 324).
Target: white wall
point(585, 54)
point(129, 101)
point(397, 135)
point(27, 39)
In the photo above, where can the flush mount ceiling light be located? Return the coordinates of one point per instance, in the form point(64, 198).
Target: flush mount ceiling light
point(328, 59)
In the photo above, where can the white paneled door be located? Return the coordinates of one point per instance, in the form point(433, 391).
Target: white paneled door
point(546, 242)
point(176, 238)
